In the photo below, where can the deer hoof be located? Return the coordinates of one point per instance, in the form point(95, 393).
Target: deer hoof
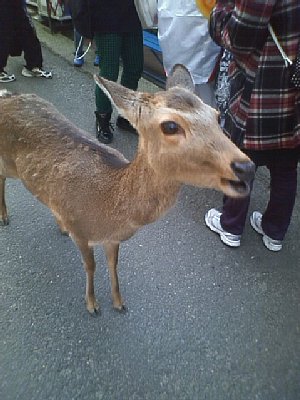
point(93, 308)
point(94, 313)
point(4, 221)
point(121, 309)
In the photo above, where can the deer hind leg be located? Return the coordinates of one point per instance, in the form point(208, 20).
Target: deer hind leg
point(3, 209)
point(112, 253)
point(90, 267)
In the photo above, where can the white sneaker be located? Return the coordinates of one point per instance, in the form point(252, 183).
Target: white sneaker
point(212, 220)
point(271, 244)
point(36, 72)
point(6, 77)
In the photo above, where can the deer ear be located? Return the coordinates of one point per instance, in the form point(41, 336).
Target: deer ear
point(180, 76)
point(125, 100)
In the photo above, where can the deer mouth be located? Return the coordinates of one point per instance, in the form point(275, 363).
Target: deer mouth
point(240, 188)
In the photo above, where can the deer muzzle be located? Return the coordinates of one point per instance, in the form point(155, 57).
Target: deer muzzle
point(245, 172)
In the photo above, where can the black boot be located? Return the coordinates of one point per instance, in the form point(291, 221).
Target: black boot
point(103, 127)
point(124, 124)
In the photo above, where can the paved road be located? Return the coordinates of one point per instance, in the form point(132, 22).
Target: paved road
point(204, 321)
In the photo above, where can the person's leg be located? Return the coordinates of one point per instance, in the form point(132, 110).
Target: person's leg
point(6, 34)
point(109, 46)
point(234, 214)
point(4, 53)
point(96, 59)
point(277, 216)
point(4, 48)
point(229, 223)
point(78, 44)
point(132, 54)
point(30, 42)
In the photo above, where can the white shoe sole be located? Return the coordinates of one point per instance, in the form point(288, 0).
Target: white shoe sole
point(223, 237)
point(254, 226)
point(270, 246)
point(11, 78)
point(29, 74)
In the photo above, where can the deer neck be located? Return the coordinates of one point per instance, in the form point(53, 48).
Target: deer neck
point(152, 194)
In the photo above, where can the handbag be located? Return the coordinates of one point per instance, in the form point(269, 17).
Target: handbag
point(294, 66)
point(147, 12)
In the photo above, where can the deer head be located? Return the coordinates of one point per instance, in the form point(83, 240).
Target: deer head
point(180, 135)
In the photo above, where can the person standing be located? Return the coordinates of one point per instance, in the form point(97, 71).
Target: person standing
point(18, 35)
point(263, 116)
point(118, 35)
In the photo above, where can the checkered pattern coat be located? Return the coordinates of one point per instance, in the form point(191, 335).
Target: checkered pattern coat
point(264, 107)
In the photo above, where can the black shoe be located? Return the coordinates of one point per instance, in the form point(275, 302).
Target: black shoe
point(103, 127)
point(124, 124)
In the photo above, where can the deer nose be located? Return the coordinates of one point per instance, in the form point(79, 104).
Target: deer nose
point(244, 170)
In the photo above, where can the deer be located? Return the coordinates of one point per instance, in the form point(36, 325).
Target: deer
point(96, 195)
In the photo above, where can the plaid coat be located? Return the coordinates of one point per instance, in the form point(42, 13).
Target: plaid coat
point(264, 107)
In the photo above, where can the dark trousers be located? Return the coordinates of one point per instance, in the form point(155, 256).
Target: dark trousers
point(111, 47)
point(18, 34)
point(277, 216)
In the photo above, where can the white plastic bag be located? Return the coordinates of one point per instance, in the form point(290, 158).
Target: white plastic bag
point(147, 12)
point(184, 39)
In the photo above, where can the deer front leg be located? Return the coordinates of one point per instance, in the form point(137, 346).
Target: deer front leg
point(112, 253)
point(90, 266)
point(3, 209)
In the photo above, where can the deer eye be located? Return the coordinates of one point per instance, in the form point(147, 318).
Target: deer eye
point(170, 127)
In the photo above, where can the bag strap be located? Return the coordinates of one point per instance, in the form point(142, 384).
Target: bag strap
point(78, 47)
point(286, 59)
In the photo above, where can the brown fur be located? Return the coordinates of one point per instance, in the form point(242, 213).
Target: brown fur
point(94, 192)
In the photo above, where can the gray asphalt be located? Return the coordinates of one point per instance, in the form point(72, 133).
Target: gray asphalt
point(204, 321)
